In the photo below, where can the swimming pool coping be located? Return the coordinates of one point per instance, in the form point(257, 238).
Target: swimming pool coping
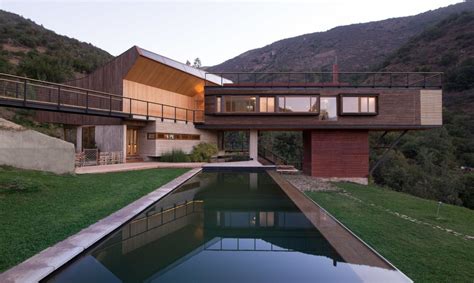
point(273, 174)
point(50, 259)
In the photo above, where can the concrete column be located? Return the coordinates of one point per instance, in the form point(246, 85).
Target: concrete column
point(124, 143)
point(253, 145)
point(79, 139)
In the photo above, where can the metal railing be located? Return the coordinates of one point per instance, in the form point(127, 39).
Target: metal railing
point(29, 93)
point(330, 79)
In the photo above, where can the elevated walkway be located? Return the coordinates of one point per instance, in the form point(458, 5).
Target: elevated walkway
point(26, 93)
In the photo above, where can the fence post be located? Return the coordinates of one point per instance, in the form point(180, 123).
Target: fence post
point(147, 114)
point(59, 96)
point(175, 114)
point(87, 101)
point(186, 116)
point(24, 93)
point(162, 113)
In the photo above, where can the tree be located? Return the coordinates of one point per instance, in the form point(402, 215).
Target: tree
point(188, 63)
point(197, 63)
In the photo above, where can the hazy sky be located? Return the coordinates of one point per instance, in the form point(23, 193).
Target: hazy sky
point(214, 31)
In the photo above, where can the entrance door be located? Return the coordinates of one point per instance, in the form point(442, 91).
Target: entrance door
point(132, 141)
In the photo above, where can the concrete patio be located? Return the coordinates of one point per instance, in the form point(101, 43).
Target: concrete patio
point(135, 166)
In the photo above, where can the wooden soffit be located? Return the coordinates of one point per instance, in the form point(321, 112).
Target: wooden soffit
point(155, 74)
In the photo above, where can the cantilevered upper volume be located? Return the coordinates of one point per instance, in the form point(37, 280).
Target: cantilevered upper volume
point(297, 101)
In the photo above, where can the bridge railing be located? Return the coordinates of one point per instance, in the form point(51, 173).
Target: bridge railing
point(35, 94)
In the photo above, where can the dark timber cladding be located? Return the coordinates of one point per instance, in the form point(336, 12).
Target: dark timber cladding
point(397, 108)
point(108, 78)
point(336, 153)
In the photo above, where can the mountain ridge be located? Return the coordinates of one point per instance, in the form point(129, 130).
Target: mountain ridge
point(359, 47)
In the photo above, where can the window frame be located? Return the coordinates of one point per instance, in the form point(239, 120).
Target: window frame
point(336, 99)
point(224, 98)
point(317, 96)
point(228, 98)
point(359, 96)
point(266, 98)
point(219, 101)
point(172, 136)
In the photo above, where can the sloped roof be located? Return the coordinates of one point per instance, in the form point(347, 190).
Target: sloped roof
point(182, 67)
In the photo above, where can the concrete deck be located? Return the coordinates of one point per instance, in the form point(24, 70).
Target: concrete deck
point(44, 263)
point(135, 166)
point(250, 163)
point(237, 166)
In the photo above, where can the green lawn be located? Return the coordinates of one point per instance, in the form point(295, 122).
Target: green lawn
point(424, 253)
point(39, 209)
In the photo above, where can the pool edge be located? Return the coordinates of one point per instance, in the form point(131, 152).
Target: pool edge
point(272, 175)
point(44, 263)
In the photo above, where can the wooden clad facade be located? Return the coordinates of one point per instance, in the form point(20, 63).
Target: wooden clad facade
point(141, 75)
point(397, 108)
point(107, 78)
point(152, 94)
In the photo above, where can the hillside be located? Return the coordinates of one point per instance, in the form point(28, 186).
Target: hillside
point(446, 47)
point(358, 47)
point(29, 49)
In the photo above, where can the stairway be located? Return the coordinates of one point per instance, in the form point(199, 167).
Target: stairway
point(268, 157)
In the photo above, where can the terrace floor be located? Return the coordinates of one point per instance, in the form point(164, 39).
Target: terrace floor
point(135, 166)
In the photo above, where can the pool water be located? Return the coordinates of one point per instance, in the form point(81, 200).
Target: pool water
point(220, 227)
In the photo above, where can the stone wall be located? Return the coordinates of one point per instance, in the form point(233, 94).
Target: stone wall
point(28, 149)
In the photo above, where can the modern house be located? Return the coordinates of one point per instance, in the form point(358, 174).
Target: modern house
point(158, 104)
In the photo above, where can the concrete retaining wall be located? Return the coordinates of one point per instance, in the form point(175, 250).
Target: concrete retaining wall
point(28, 149)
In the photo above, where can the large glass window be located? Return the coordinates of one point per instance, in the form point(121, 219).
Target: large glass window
point(172, 136)
point(267, 104)
point(240, 103)
point(359, 105)
point(298, 104)
point(328, 109)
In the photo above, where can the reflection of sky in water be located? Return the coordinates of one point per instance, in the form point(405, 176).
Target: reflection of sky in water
point(236, 229)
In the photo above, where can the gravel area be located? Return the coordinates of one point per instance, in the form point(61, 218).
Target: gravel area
point(308, 183)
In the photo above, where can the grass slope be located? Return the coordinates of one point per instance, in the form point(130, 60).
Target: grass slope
point(39, 209)
point(424, 253)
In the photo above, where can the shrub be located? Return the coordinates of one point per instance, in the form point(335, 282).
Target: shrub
point(176, 155)
point(203, 152)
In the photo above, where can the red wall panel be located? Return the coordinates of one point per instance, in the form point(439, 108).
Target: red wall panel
point(336, 153)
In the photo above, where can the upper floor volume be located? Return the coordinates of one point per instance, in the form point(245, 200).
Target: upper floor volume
point(142, 85)
point(324, 100)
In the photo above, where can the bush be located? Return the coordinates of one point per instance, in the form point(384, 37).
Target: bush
point(203, 152)
point(176, 155)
